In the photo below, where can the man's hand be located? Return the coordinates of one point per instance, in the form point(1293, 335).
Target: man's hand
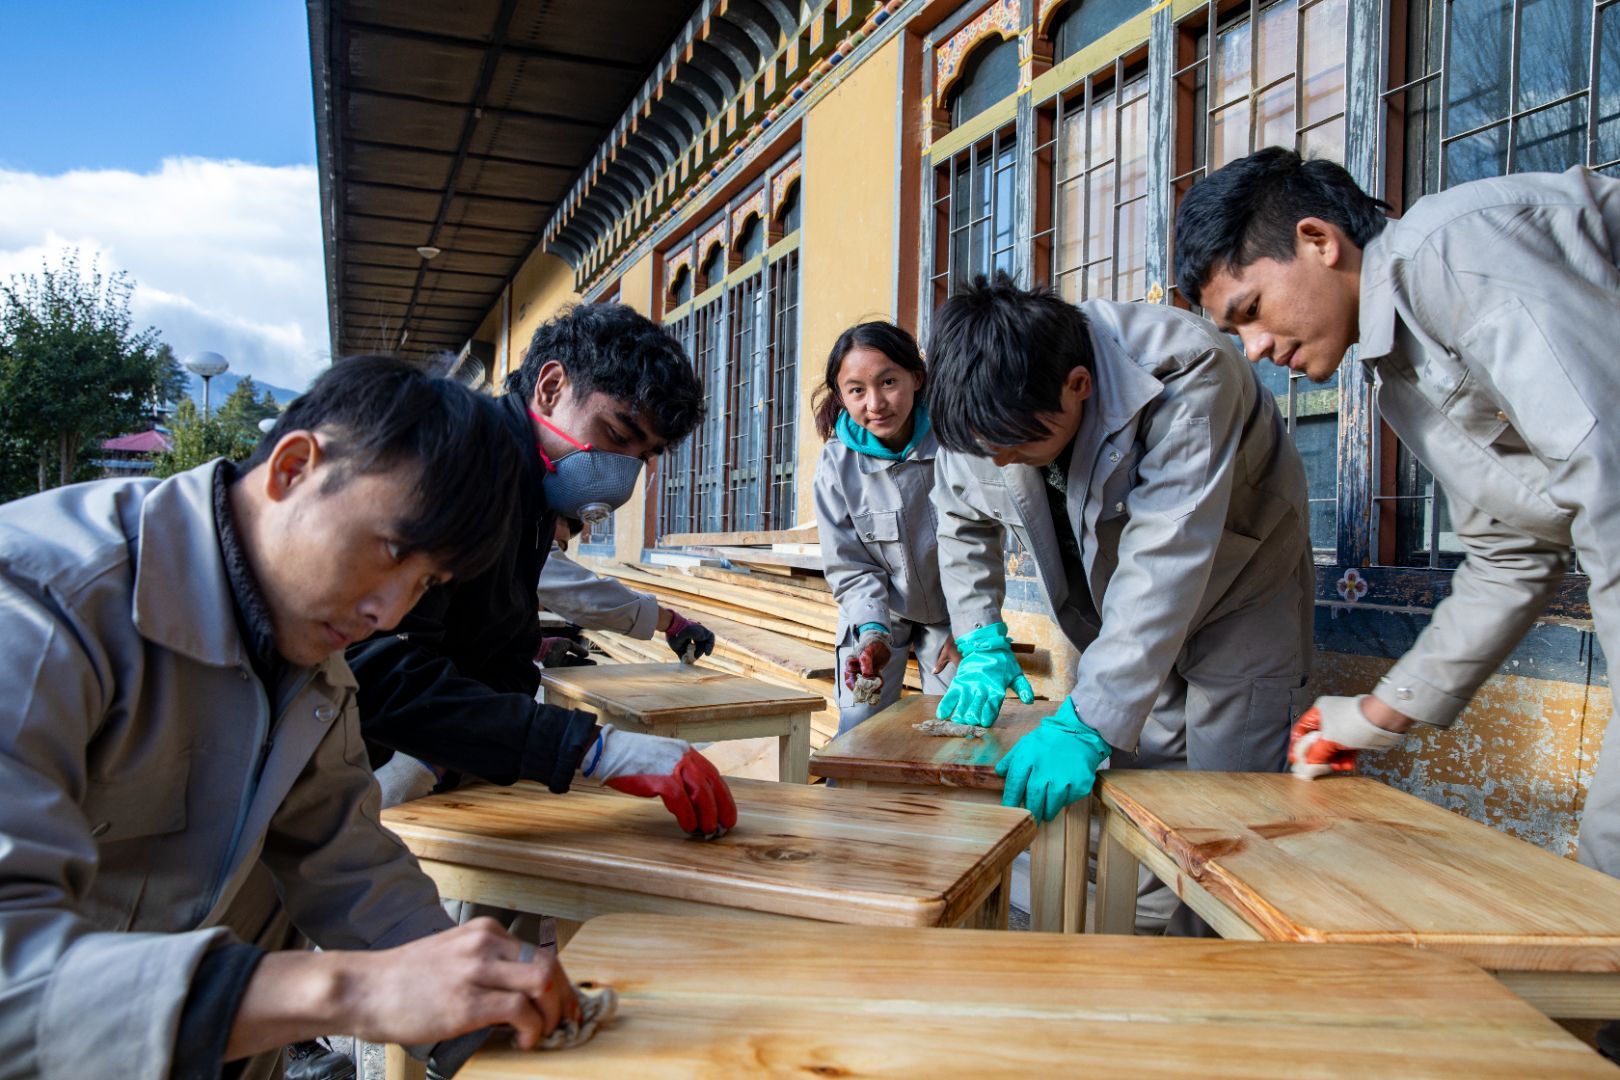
point(871, 656)
point(988, 668)
point(649, 765)
point(949, 655)
point(430, 990)
point(684, 634)
point(1333, 730)
point(564, 652)
point(1054, 765)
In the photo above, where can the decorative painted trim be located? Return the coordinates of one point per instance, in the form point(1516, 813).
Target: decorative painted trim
point(1351, 585)
point(716, 235)
point(1000, 19)
point(676, 263)
point(1044, 12)
point(782, 181)
point(755, 205)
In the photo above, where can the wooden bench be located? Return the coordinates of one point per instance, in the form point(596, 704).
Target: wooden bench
point(885, 753)
point(798, 852)
point(698, 999)
point(692, 703)
point(1352, 860)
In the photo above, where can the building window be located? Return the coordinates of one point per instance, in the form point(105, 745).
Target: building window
point(989, 75)
point(974, 213)
point(1252, 75)
point(1081, 22)
point(680, 290)
point(1098, 217)
point(736, 470)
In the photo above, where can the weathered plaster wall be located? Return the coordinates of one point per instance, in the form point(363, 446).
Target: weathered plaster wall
point(629, 524)
point(543, 286)
point(849, 241)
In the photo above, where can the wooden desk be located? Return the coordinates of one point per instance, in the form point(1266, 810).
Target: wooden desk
point(798, 852)
point(692, 703)
point(885, 753)
point(1353, 860)
point(698, 999)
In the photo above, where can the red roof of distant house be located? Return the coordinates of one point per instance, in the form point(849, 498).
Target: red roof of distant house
point(145, 442)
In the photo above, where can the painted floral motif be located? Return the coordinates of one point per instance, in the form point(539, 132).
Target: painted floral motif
point(755, 205)
point(1352, 586)
point(780, 182)
point(1000, 18)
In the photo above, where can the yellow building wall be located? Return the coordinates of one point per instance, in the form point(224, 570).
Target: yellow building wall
point(849, 246)
point(543, 286)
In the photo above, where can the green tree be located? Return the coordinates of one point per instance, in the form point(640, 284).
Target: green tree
point(73, 368)
point(194, 440)
point(174, 382)
point(243, 410)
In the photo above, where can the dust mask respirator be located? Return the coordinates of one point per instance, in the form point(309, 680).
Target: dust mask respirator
point(586, 483)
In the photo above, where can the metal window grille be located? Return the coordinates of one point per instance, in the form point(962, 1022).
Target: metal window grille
point(782, 398)
point(675, 490)
point(1264, 74)
point(745, 402)
point(1099, 145)
point(709, 347)
point(1478, 89)
point(974, 212)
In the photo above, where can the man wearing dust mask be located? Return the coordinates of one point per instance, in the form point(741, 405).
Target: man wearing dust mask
point(601, 391)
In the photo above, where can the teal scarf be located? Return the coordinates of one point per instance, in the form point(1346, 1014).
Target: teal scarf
point(862, 441)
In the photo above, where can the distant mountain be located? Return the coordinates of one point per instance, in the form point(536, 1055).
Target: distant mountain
point(224, 384)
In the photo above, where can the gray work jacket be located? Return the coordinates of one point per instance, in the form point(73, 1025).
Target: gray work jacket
point(1185, 494)
point(592, 601)
point(144, 770)
point(1490, 318)
point(876, 526)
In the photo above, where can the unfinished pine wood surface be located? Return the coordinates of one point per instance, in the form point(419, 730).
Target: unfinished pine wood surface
point(655, 693)
point(797, 852)
point(886, 749)
point(1349, 859)
point(700, 999)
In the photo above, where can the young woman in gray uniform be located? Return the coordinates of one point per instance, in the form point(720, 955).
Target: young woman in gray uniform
point(876, 521)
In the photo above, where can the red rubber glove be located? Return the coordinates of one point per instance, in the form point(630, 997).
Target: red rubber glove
point(649, 765)
point(1330, 734)
point(867, 662)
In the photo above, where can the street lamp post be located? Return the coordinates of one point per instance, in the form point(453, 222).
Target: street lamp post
point(207, 365)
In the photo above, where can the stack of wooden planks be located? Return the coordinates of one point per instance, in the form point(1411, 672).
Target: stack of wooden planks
point(773, 620)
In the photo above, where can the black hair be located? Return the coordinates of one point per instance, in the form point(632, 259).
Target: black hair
point(999, 356)
point(1248, 210)
point(377, 413)
point(614, 349)
point(890, 340)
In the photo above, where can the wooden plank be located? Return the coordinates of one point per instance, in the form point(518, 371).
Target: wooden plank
point(811, 612)
point(798, 850)
point(814, 587)
point(742, 539)
point(703, 998)
point(749, 556)
point(1353, 860)
point(886, 749)
point(659, 693)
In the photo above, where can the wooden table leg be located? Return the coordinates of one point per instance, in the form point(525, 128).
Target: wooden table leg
point(793, 753)
point(1117, 875)
point(992, 914)
point(1057, 871)
point(398, 1065)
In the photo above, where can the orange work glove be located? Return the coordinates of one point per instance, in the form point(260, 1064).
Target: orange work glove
point(1327, 738)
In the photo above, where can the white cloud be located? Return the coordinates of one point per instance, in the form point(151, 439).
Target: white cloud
point(226, 255)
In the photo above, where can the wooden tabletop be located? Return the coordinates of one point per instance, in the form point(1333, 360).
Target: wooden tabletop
point(800, 851)
point(1349, 859)
point(886, 749)
point(653, 692)
point(699, 999)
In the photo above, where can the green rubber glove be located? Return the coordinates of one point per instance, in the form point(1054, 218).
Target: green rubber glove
point(1054, 765)
point(988, 667)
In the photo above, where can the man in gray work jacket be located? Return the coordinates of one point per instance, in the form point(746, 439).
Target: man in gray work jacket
point(1135, 455)
point(1489, 317)
point(175, 713)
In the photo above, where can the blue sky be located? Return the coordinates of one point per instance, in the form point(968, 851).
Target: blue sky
point(174, 142)
point(123, 85)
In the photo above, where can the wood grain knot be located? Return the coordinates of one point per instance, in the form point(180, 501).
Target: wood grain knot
point(780, 854)
point(827, 1070)
point(1275, 829)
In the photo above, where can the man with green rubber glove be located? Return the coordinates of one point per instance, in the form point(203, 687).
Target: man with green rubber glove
point(1133, 453)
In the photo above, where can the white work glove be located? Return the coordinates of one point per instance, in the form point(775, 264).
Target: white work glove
point(1327, 738)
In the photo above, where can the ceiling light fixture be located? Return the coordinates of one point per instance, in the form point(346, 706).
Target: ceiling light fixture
point(427, 251)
